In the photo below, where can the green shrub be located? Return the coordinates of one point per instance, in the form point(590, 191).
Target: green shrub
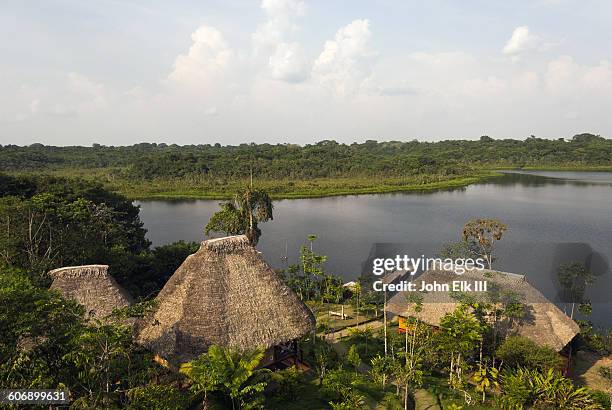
point(157, 396)
point(517, 391)
point(601, 398)
point(596, 340)
point(287, 383)
point(352, 357)
point(338, 383)
point(530, 388)
point(518, 351)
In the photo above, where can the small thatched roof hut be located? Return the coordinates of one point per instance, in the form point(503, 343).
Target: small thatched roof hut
point(224, 294)
point(543, 323)
point(92, 287)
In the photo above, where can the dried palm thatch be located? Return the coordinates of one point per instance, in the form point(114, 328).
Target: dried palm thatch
point(224, 294)
point(543, 323)
point(92, 287)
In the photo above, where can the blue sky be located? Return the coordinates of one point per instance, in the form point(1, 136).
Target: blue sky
point(121, 72)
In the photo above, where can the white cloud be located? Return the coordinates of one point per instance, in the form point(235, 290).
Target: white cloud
point(286, 60)
point(598, 77)
point(207, 58)
point(93, 93)
point(566, 77)
point(288, 63)
point(528, 82)
point(346, 61)
point(522, 40)
point(282, 8)
point(280, 15)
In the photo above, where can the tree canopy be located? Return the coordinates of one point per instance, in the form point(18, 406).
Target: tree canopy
point(325, 159)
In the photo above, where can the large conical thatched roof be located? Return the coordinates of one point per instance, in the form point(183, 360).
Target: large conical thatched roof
point(543, 323)
point(223, 294)
point(92, 287)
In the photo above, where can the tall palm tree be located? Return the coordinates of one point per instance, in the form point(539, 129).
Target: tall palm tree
point(242, 214)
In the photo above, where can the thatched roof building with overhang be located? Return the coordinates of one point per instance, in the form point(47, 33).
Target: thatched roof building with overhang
point(92, 287)
point(543, 323)
point(224, 294)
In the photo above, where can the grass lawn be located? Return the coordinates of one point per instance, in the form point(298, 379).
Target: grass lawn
point(334, 323)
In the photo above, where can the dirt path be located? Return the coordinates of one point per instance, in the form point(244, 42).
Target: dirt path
point(585, 370)
point(425, 400)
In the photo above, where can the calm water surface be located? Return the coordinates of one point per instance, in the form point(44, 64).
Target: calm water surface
point(553, 217)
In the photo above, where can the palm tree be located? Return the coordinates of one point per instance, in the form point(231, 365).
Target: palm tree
point(242, 214)
point(231, 371)
point(205, 376)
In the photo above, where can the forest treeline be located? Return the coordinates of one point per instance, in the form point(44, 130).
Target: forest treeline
point(325, 159)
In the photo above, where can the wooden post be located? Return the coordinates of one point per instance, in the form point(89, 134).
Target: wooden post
point(385, 321)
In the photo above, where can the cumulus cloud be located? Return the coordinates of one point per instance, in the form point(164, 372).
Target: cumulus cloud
point(286, 59)
point(566, 77)
point(288, 63)
point(207, 58)
point(346, 61)
point(280, 15)
point(522, 40)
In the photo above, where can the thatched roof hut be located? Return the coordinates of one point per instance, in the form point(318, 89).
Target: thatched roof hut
point(92, 287)
point(543, 323)
point(224, 294)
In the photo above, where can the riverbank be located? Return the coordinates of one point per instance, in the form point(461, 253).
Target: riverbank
point(206, 187)
point(220, 188)
point(315, 188)
point(572, 168)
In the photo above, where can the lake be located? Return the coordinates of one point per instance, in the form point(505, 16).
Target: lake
point(553, 217)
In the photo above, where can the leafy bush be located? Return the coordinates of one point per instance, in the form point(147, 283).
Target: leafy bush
point(37, 329)
point(337, 383)
point(596, 340)
point(352, 357)
point(517, 391)
point(287, 383)
point(523, 388)
point(519, 351)
point(157, 396)
point(601, 398)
